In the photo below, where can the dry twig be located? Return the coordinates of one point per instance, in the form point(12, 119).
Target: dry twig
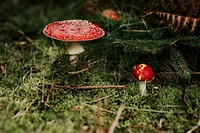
point(100, 129)
point(52, 93)
point(85, 69)
point(194, 128)
point(115, 122)
point(159, 126)
point(91, 87)
point(29, 39)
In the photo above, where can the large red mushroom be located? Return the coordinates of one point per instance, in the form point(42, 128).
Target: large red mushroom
point(144, 74)
point(73, 31)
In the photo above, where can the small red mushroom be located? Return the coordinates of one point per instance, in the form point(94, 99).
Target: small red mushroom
point(111, 14)
point(73, 31)
point(144, 74)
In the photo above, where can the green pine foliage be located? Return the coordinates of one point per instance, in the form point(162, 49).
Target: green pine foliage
point(179, 63)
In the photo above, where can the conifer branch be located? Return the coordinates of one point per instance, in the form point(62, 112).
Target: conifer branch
point(179, 64)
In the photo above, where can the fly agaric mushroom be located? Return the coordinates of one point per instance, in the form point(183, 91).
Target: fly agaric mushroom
point(144, 74)
point(73, 31)
point(111, 14)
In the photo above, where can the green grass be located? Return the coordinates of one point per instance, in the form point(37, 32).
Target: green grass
point(31, 62)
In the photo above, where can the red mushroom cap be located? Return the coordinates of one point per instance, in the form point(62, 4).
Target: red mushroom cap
point(111, 14)
point(73, 30)
point(143, 72)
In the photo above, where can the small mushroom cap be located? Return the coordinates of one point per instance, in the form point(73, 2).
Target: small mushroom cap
point(143, 72)
point(73, 30)
point(111, 14)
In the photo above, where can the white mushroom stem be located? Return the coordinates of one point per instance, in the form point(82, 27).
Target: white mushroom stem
point(142, 87)
point(73, 50)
